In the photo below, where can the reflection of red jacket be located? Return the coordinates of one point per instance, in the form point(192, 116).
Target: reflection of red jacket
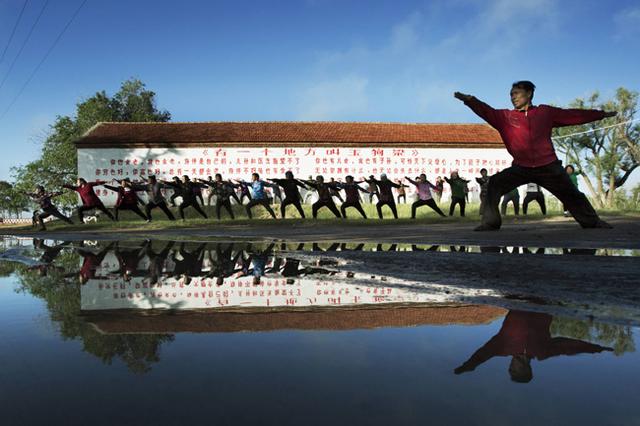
point(528, 333)
point(527, 136)
point(87, 194)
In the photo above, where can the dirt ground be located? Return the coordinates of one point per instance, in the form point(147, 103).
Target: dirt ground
point(557, 232)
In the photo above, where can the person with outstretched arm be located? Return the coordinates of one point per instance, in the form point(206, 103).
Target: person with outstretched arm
point(324, 196)
point(291, 193)
point(47, 208)
point(534, 193)
point(458, 196)
point(223, 191)
point(352, 191)
point(127, 198)
point(259, 195)
point(526, 133)
point(185, 190)
point(385, 195)
point(525, 336)
point(155, 197)
point(425, 198)
point(483, 181)
point(90, 200)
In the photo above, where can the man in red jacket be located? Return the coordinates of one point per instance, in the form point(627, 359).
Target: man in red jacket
point(525, 336)
point(89, 198)
point(526, 133)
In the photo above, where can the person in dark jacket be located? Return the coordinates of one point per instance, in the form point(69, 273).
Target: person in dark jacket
point(155, 197)
point(385, 195)
point(184, 189)
point(223, 191)
point(526, 133)
point(525, 336)
point(324, 196)
point(47, 208)
point(534, 193)
point(127, 198)
point(291, 193)
point(90, 201)
point(483, 181)
point(352, 191)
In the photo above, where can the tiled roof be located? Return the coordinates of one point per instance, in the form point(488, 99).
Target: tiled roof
point(288, 133)
point(255, 319)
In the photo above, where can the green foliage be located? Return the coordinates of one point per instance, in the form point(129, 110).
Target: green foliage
point(619, 337)
point(60, 290)
point(608, 156)
point(58, 159)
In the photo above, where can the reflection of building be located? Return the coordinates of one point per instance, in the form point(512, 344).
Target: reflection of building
point(118, 150)
point(266, 320)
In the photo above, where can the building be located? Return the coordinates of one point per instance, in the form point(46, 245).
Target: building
point(332, 149)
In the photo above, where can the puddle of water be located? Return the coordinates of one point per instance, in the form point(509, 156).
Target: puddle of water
point(176, 333)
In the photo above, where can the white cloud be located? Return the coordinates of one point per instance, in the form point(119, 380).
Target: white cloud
point(334, 99)
point(627, 23)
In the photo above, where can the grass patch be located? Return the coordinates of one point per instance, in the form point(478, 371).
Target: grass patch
point(130, 222)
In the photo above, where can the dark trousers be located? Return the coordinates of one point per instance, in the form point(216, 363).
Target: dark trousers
point(134, 208)
point(162, 205)
point(457, 201)
point(404, 198)
point(430, 202)
point(515, 199)
point(392, 206)
point(51, 211)
point(264, 202)
point(483, 202)
point(220, 203)
point(190, 203)
point(98, 206)
point(244, 194)
point(371, 194)
point(173, 197)
point(198, 196)
point(328, 204)
point(355, 204)
point(295, 203)
point(551, 177)
point(534, 196)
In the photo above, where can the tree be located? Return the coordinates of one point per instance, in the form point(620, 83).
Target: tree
point(12, 201)
point(607, 156)
point(58, 160)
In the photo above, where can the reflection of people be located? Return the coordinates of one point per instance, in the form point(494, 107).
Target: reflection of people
point(526, 132)
point(91, 262)
point(525, 336)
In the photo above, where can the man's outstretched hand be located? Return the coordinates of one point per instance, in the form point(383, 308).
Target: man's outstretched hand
point(610, 114)
point(463, 97)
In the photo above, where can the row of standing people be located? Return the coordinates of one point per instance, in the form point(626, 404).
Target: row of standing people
point(190, 191)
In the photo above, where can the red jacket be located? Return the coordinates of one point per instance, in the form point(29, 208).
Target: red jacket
point(527, 135)
point(87, 194)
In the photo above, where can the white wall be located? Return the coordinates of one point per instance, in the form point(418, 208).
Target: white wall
point(106, 164)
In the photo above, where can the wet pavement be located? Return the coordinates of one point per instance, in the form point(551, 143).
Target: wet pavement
point(179, 332)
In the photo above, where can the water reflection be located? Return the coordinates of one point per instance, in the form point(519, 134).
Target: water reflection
point(525, 336)
point(114, 297)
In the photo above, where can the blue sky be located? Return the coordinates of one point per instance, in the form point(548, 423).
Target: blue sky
point(311, 59)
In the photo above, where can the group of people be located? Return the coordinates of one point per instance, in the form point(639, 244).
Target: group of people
point(286, 189)
point(525, 131)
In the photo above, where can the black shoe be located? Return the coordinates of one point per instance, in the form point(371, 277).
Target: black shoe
point(486, 228)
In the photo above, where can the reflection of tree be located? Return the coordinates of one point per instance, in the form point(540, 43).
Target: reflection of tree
point(62, 295)
point(619, 337)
